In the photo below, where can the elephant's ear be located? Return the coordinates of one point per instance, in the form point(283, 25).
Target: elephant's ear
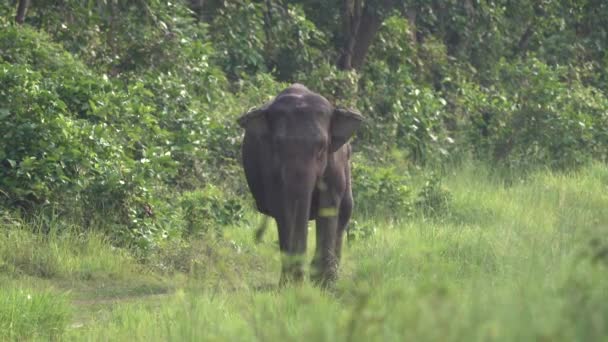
point(255, 121)
point(344, 123)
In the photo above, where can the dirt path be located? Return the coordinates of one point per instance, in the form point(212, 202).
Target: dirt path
point(121, 299)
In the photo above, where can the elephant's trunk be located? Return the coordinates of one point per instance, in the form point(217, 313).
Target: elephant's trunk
point(293, 227)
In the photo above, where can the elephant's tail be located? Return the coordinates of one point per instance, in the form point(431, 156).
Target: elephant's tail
point(259, 232)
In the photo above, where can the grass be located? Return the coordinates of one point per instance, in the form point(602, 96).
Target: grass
point(27, 313)
point(520, 261)
point(64, 253)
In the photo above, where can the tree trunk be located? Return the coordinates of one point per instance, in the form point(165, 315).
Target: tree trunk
point(21, 11)
point(205, 10)
point(524, 41)
point(268, 24)
point(360, 23)
point(412, 13)
point(368, 27)
point(197, 7)
point(351, 18)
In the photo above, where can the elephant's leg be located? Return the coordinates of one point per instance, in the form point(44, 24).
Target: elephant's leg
point(325, 262)
point(346, 208)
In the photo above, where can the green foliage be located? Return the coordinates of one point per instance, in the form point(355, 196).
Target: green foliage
point(396, 92)
point(48, 150)
point(118, 37)
point(73, 139)
point(391, 45)
point(295, 45)
point(380, 190)
point(338, 86)
point(239, 36)
point(82, 143)
point(536, 118)
point(403, 115)
point(253, 37)
point(208, 210)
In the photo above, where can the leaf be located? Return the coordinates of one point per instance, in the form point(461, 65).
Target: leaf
point(4, 113)
point(12, 163)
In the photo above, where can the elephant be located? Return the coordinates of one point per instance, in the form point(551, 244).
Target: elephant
point(296, 158)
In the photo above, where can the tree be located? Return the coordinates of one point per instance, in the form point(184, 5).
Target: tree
point(361, 20)
point(21, 11)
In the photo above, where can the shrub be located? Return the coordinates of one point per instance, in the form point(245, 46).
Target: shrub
point(380, 190)
point(46, 151)
point(77, 142)
point(209, 209)
point(295, 45)
point(253, 37)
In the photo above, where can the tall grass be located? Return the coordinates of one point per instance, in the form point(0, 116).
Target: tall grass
point(27, 313)
point(512, 262)
point(60, 251)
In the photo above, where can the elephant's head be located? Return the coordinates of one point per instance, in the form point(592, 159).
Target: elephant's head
point(302, 129)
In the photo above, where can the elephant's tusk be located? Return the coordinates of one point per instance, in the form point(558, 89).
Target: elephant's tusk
point(328, 212)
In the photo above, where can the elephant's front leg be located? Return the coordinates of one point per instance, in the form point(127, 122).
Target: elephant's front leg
point(325, 262)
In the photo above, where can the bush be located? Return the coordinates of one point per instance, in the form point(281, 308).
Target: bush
point(46, 152)
point(380, 190)
point(209, 209)
point(77, 142)
point(295, 45)
point(253, 37)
